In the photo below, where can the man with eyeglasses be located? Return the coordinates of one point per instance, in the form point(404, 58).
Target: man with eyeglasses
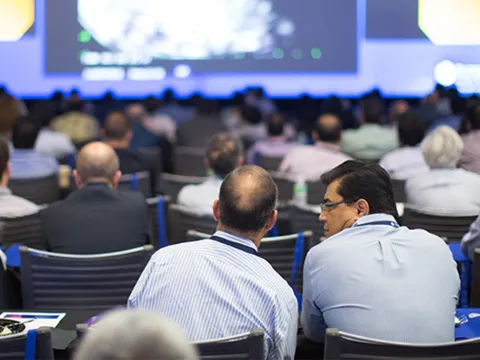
point(372, 277)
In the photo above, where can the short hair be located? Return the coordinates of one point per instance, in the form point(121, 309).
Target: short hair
point(363, 180)
point(132, 334)
point(275, 125)
point(473, 114)
point(251, 114)
point(442, 148)
point(373, 110)
point(117, 125)
point(4, 156)
point(77, 105)
point(243, 206)
point(331, 132)
point(223, 153)
point(411, 128)
point(25, 133)
point(97, 160)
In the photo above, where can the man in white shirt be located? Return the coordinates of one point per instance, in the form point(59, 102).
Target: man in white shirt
point(224, 154)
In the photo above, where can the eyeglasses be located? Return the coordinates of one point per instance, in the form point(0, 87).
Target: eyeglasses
point(330, 205)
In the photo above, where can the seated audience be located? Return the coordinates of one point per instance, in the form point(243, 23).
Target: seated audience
point(251, 127)
point(470, 159)
point(11, 206)
point(371, 140)
point(371, 277)
point(471, 240)
point(224, 154)
point(96, 218)
point(158, 123)
point(276, 144)
point(135, 335)
point(311, 162)
point(117, 133)
point(444, 189)
point(407, 161)
point(27, 163)
point(231, 290)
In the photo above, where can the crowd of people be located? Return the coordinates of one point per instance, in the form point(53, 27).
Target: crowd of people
point(369, 277)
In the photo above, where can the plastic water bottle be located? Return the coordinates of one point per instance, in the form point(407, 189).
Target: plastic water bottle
point(300, 191)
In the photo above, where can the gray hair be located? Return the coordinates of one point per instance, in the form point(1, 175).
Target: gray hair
point(442, 148)
point(135, 334)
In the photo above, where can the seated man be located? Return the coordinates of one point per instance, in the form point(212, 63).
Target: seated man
point(11, 206)
point(220, 287)
point(371, 277)
point(471, 240)
point(470, 159)
point(96, 218)
point(117, 133)
point(224, 154)
point(26, 162)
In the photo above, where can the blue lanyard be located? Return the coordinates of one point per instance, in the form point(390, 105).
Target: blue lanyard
point(389, 223)
point(238, 246)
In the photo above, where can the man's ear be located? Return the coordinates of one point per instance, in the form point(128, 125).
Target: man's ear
point(76, 176)
point(116, 179)
point(216, 210)
point(363, 207)
point(272, 220)
point(241, 161)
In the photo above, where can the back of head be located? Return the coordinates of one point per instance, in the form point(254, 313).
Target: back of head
point(97, 162)
point(4, 156)
point(151, 104)
point(411, 128)
point(25, 133)
point(251, 114)
point(248, 197)
point(275, 124)
point(76, 106)
point(473, 114)
point(224, 153)
point(442, 148)
point(362, 180)
point(135, 334)
point(116, 126)
point(328, 128)
point(372, 110)
point(9, 112)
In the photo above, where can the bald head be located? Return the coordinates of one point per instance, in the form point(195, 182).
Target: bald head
point(117, 126)
point(97, 162)
point(328, 128)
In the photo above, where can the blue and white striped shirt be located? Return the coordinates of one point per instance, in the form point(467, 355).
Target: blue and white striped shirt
point(214, 290)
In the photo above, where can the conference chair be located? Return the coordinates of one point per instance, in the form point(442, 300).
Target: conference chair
point(80, 282)
point(181, 220)
point(43, 190)
point(285, 186)
point(171, 184)
point(154, 153)
point(306, 218)
point(316, 192)
point(270, 163)
point(399, 190)
point(189, 161)
point(341, 345)
point(139, 181)
point(247, 346)
point(157, 208)
point(34, 345)
point(25, 230)
point(475, 289)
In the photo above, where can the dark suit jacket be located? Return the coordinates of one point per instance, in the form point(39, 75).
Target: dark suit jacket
point(132, 161)
point(96, 219)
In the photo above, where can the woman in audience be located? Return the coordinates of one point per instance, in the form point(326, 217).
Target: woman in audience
point(444, 189)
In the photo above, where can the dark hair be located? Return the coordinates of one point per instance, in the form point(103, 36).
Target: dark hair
point(275, 125)
point(247, 210)
point(4, 156)
point(473, 116)
point(117, 125)
point(361, 180)
point(25, 133)
point(411, 128)
point(326, 133)
point(372, 109)
point(223, 153)
point(78, 105)
point(151, 104)
point(251, 114)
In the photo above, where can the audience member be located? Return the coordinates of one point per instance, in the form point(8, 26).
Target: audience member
point(9, 113)
point(158, 123)
point(311, 162)
point(171, 107)
point(231, 289)
point(407, 161)
point(371, 277)
point(470, 159)
point(251, 127)
point(118, 134)
point(444, 189)
point(471, 240)
point(256, 97)
point(11, 206)
point(135, 335)
point(96, 218)
point(371, 140)
point(224, 154)
point(27, 163)
point(276, 145)
point(397, 109)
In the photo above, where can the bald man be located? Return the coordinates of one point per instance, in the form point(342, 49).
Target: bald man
point(97, 218)
point(220, 286)
point(311, 161)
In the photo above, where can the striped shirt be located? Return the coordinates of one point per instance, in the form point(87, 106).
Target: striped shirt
point(214, 290)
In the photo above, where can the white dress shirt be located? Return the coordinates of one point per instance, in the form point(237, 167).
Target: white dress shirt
point(54, 143)
point(200, 198)
point(471, 240)
point(12, 206)
point(382, 281)
point(215, 290)
point(405, 162)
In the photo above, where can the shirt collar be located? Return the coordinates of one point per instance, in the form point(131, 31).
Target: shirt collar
point(5, 191)
point(236, 239)
point(375, 218)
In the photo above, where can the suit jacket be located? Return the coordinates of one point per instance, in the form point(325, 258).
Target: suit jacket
point(96, 219)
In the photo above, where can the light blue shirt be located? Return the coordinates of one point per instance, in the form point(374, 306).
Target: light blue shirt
point(382, 281)
point(54, 143)
point(213, 290)
point(30, 164)
point(471, 240)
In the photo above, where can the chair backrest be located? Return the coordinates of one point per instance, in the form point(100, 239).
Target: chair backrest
point(475, 289)
point(399, 190)
point(344, 346)
point(171, 184)
point(180, 220)
point(315, 192)
point(306, 219)
point(13, 347)
point(154, 153)
point(43, 190)
point(157, 208)
point(285, 186)
point(136, 182)
point(68, 282)
point(189, 161)
point(268, 162)
point(25, 230)
point(451, 228)
point(248, 346)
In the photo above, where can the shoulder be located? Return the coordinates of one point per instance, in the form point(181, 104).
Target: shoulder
point(19, 206)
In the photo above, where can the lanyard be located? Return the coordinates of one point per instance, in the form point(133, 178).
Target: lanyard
point(389, 223)
point(238, 246)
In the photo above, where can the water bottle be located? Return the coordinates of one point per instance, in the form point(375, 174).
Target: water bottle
point(300, 191)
